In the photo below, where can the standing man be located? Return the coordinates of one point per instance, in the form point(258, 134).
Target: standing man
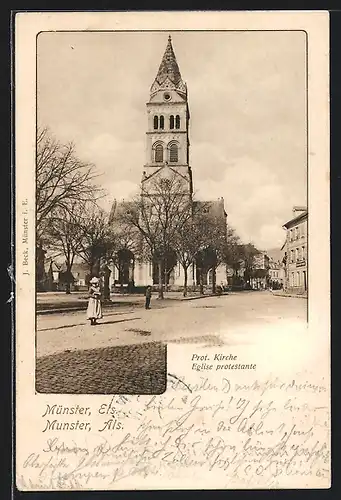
point(148, 295)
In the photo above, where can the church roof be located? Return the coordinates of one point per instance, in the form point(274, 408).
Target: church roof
point(213, 207)
point(169, 69)
point(120, 206)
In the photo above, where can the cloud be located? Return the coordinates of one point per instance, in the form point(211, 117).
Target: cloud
point(118, 190)
point(256, 202)
point(119, 160)
point(271, 235)
point(248, 119)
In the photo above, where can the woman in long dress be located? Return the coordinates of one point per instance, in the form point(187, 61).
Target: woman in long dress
point(94, 311)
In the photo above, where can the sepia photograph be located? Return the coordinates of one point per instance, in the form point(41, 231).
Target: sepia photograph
point(170, 168)
point(172, 262)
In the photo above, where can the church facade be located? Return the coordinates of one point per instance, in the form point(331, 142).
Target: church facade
point(167, 157)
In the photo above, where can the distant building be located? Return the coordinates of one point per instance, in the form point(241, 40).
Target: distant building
point(296, 251)
point(260, 278)
point(80, 273)
point(55, 277)
point(276, 274)
point(276, 267)
point(261, 261)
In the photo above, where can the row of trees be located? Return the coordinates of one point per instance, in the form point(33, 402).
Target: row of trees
point(162, 221)
point(168, 222)
point(68, 218)
point(172, 228)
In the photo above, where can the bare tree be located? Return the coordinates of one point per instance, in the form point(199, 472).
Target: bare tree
point(241, 256)
point(249, 253)
point(61, 178)
point(97, 244)
point(217, 247)
point(128, 239)
point(212, 237)
point(65, 234)
point(192, 238)
point(159, 214)
point(98, 241)
point(234, 252)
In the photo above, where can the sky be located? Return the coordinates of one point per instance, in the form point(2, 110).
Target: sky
point(247, 100)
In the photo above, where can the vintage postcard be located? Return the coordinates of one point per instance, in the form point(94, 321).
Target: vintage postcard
point(172, 250)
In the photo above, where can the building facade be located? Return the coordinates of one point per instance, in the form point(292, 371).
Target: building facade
point(296, 252)
point(167, 156)
point(276, 274)
point(56, 277)
point(260, 278)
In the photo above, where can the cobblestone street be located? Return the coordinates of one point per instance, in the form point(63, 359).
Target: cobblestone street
point(126, 351)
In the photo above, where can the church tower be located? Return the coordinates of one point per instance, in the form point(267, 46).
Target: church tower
point(168, 125)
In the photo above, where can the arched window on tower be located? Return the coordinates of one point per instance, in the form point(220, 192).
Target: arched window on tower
point(177, 121)
point(162, 122)
point(159, 153)
point(171, 122)
point(173, 153)
point(156, 123)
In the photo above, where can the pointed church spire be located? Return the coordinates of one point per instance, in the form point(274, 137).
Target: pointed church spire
point(168, 74)
point(169, 66)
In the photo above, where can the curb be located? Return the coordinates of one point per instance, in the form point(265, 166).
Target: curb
point(83, 307)
point(196, 298)
point(59, 311)
point(290, 295)
point(80, 307)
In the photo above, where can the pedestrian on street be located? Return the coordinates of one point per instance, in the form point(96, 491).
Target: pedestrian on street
point(94, 311)
point(148, 294)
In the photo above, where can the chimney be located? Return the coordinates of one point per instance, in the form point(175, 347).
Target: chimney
point(297, 209)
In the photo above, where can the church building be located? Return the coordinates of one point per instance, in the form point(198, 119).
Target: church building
point(167, 156)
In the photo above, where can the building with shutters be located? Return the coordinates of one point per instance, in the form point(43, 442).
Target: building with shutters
point(296, 251)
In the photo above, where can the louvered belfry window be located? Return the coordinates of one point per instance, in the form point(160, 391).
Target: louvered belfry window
point(162, 122)
point(159, 153)
point(173, 153)
point(156, 123)
point(171, 122)
point(177, 121)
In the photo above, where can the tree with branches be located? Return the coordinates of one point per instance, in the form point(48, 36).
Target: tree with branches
point(192, 238)
point(211, 234)
point(234, 254)
point(249, 254)
point(98, 240)
point(158, 214)
point(98, 243)
point(217, 246)
point(64, 233)
point(127, 237)
point(62, 182)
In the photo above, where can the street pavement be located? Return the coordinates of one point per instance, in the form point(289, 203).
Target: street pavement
point(126, 351)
